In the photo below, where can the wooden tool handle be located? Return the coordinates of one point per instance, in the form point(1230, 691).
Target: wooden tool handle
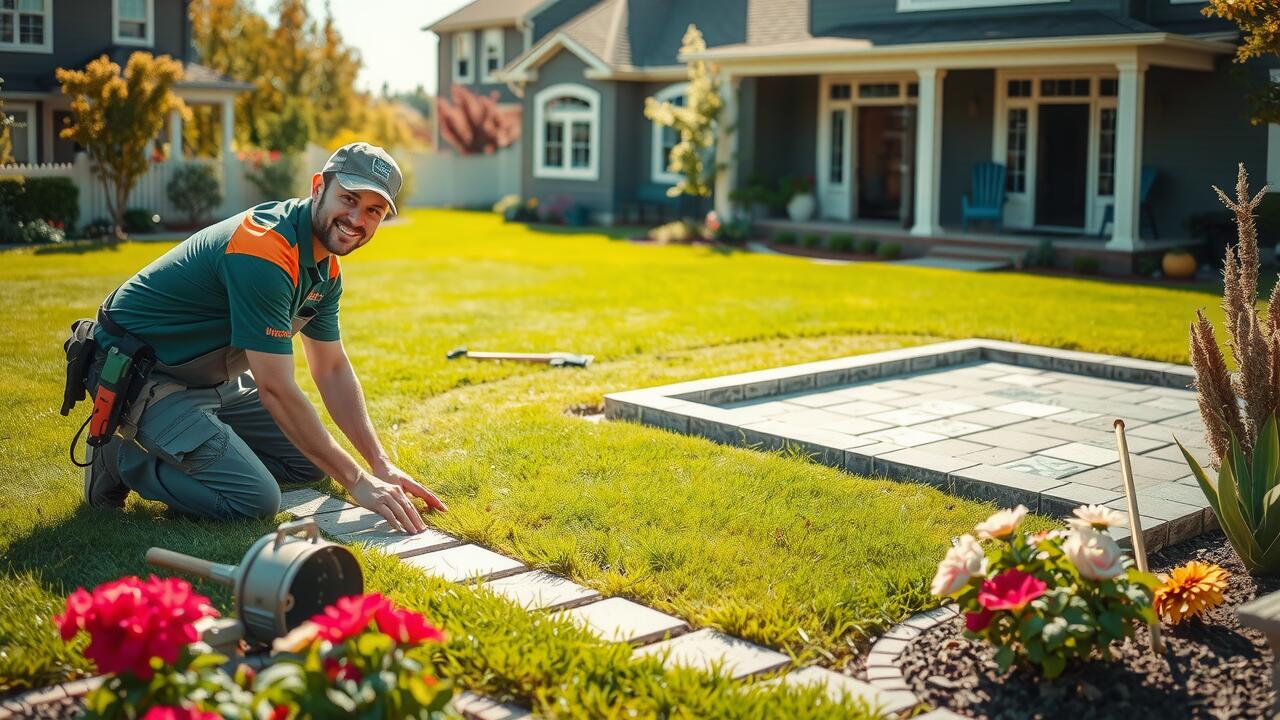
point(206, 569)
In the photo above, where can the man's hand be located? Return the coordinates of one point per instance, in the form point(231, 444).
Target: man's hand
point(395, 475)
point(388, 500)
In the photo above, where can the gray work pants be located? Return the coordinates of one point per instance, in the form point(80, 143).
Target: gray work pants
point(213, 452)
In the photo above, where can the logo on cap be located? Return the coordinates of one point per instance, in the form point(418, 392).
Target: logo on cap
point(382, 169)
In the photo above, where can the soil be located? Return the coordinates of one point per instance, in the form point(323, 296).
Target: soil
point(1214, 668)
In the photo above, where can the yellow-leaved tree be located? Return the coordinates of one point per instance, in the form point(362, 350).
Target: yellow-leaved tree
point(1259, 24)
point(696, 122)
point(116, 115)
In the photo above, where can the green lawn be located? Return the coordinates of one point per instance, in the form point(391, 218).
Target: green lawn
point(767, 546)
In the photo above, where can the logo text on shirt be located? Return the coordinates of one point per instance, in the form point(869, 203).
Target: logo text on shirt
point(272, 332)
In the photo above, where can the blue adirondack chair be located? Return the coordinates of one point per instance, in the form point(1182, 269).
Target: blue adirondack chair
point(1149, 175)
point(985, 200)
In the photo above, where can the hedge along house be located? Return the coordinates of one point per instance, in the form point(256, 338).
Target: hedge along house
point(891, 104)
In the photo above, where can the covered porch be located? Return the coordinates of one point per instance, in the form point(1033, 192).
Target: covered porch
point(892, 133)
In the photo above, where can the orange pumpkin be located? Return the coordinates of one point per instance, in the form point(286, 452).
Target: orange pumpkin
point(1178, 265)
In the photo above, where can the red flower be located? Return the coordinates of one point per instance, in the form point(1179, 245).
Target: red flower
point(406, 626)
point(279, 712)
point(337, 671)
point(349, 616)
point(130, 621)
point(163, 712)
point(977, 621)
point(1010, 590)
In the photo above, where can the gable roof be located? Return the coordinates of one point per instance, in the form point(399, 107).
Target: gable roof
point(621, 37)
point(482, 13)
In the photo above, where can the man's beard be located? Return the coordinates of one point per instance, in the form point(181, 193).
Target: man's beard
point(336, 241)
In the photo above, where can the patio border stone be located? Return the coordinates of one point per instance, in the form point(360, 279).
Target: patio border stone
point(690, 408)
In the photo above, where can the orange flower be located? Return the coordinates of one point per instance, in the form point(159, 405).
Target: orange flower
point(1190, 591)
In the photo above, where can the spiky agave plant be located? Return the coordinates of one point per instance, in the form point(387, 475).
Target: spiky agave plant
point(1240, 412)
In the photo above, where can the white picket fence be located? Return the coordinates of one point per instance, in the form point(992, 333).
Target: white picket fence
point(435, 179)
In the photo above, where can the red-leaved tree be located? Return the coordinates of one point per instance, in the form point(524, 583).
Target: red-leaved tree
point(475, 124)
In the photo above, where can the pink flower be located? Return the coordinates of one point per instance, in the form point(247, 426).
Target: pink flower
point(163, 712)
point(130, 621)
point(977, 621)
point(1095, 554)
point(1011, 590)
point(349, 616)
point(1001, 523)
point(963, 561)
point(406, 626)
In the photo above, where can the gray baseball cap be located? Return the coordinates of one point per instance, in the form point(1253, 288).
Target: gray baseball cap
point(361, 166)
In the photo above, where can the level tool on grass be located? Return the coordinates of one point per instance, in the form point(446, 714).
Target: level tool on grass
point(283, 580)
point(1135, 522)
point(554, 359)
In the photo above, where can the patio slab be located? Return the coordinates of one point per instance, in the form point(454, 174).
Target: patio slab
point(621, 620)
point(706, 649)
point(986, 419)
point(466, 562)
point(541, 590)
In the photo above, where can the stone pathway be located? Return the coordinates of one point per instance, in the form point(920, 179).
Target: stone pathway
point(612, 618)
point(983, 419)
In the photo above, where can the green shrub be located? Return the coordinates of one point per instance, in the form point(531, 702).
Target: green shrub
point(1146, 265)
point(889, 251)
point(195, 190)
point(1041, 255)
point(53, 199)
point(140, 220)
point(840, 242)
point(272, 174)
point(785, 238)
point(28, 232)
point(867, 246)
point(1084, 264)
point(811, 241)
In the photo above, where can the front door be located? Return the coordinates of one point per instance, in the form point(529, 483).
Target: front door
point(882, 139)
point(1062, 165)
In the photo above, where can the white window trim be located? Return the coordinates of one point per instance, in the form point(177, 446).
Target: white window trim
point(117, 38)
point(46, 47)
point(33, 122)
point(658, 163)
point(565, 171)
point(491, 33)
point(470, 41)
point(927, 5)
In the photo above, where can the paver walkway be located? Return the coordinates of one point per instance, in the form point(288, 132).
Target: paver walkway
point(539, 591)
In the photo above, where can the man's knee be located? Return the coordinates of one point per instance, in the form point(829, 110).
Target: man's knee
point(261, 502)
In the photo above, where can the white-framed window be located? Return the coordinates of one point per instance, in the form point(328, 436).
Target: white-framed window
point(464, 57)
point(664, 138)
point(23, 131)
point(924, 5)
point(133, 22)
point(491, 53)
point(26, 25)
point(566, 125)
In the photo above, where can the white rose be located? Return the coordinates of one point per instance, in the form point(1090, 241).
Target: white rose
point(1001, 523)
point(1095, 554)
point(1096, 517)
point(964, 560)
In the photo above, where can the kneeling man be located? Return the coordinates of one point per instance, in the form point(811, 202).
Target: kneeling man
point(220, 422)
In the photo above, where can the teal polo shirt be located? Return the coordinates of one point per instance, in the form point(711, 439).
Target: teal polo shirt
point(238, 283)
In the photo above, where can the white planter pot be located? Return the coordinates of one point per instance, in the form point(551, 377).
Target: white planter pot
point(801, 207)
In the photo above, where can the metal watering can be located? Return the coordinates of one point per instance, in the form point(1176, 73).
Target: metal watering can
point(285, 578)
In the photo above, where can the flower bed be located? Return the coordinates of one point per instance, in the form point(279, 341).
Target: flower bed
point(1214, 667)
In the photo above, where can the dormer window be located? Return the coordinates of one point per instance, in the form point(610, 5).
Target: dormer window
point(464, 53)
point(26, 25)
point(134, 22)
point(491, 44)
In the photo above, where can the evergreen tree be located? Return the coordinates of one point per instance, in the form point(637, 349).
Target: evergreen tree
point(696, 123)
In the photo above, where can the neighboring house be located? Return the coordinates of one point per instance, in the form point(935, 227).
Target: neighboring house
point(39, 36)
point(890, 104)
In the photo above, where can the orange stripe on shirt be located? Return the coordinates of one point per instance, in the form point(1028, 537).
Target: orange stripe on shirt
point(253, 239)
point(334, 267)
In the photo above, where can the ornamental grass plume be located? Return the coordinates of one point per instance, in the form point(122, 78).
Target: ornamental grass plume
point(1255, 344)
point(1190, 591)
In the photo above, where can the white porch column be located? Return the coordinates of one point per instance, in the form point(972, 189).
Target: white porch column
point(1128, 171)
point(231, 200)
point(175, 135)
point(726, 146)
point(928, 151)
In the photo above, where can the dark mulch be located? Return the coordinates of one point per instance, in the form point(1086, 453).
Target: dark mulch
point(1213, 669)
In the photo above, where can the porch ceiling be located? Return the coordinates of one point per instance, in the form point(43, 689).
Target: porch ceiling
point(875, 54)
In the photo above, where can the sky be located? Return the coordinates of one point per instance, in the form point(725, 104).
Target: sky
point(389, 36)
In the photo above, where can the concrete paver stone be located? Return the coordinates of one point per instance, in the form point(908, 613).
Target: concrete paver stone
point(706, 648)
point(539, 590)
point(465, 562)
point(622, 620)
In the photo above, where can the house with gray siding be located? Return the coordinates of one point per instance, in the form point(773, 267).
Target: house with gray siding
point(890, 105)
point(39, 36)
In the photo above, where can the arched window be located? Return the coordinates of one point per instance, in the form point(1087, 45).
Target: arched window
point(566, 126)
point(664, 138)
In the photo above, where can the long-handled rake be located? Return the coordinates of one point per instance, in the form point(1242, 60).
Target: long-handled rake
point(1135, 523)
point(554, 359)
